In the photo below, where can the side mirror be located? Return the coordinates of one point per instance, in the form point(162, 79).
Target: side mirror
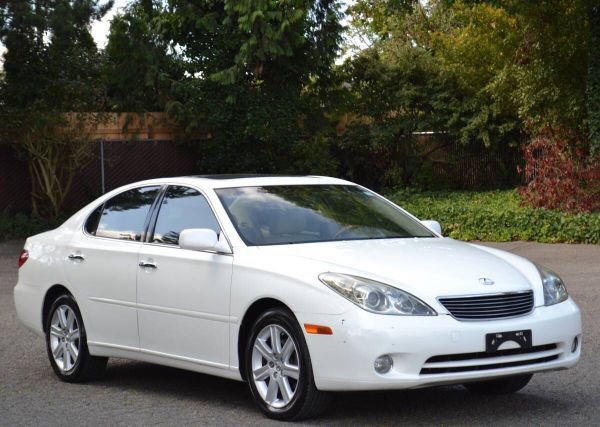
point(203, 239)
point(433, 226)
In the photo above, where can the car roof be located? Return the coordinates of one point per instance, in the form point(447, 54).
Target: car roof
point(246, 180)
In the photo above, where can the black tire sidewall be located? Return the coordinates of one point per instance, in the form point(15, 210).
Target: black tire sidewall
point(75, 373)
point(285, 319)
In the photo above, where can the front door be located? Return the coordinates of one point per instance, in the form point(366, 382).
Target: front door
point(183, 295)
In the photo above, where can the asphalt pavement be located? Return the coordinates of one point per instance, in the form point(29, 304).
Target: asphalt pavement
point(135, 393)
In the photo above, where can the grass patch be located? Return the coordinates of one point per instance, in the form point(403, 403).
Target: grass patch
point(498, 216)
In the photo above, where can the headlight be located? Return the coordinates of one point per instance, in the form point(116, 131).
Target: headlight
point(554, 288)
point(376, 297)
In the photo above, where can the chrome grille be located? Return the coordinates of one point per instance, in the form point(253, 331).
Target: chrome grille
point(484, 307)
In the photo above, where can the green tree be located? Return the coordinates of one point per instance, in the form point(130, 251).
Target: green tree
point(257, 79)
point(430, 68)
point(141, 65)
point(52, 75)
point(515, 67)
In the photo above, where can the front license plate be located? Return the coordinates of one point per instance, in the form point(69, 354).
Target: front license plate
point(495, 340)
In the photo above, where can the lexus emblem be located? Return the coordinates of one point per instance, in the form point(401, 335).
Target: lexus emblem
point(486, 281)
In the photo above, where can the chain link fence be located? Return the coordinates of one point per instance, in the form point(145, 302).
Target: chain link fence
point(115, 163)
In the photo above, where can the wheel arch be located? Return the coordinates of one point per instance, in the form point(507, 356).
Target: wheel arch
point(51, 294)
point(252, 313)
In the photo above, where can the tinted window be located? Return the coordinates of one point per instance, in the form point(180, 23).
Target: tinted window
point(180, 209)
point(315, 213)
point(124, 216)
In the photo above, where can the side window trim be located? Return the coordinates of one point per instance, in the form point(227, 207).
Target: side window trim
point(161, 190)
point(87, 218)
point(150, 222)
point(156, 212)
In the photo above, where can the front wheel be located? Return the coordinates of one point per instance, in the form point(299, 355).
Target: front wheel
point(278, 368)
point(67, 345)
point(499, 386)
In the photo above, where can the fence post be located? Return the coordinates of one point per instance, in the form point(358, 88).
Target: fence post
point(102, 164)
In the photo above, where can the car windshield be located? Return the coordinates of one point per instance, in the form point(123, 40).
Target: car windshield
point(286, 214)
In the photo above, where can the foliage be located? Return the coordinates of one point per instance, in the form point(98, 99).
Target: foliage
point(426, 72)
point(20, 226)
point(498, 216)
point(488, 73)
point(559, 175)
point(52, 68)
point(56, 147)
point(475, 44)
point(466, 47)
point(255, 86)
point(593, 77)
point(51, 61)
point(394, 94)
point(140, 67)
point(549, 67)
point(257, 80)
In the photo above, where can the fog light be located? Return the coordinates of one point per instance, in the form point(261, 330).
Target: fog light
point(574, 345)
point(383, 364)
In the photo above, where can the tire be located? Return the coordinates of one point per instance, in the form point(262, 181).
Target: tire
point(504, 385)
point(66, 343)
point(294, 399)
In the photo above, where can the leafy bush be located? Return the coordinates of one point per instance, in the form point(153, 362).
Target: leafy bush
point(498, 216)
point(560, 175)
point(20, 226)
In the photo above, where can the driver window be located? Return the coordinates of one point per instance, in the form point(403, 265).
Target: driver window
point(182, 208)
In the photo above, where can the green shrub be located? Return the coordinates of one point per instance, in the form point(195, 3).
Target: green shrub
point(498, 216)
point(20, 226)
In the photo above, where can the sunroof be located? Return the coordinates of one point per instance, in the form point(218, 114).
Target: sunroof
point(242, 175)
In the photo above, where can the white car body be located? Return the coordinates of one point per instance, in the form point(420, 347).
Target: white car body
point(188, 313)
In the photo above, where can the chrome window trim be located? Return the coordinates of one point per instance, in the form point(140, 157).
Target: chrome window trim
point(210, 205)
point(159, 185)
point(85, 233)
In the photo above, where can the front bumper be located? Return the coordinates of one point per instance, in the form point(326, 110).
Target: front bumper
point(344, 361)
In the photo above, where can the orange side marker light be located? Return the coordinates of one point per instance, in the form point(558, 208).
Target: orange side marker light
point(318, 329)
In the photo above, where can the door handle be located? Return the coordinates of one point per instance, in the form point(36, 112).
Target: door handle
point(76, 257)
point(146, 264)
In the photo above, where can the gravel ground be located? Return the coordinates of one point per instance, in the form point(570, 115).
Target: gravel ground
point(134, 393)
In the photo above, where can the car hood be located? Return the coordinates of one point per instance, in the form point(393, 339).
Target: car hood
point(426, 267)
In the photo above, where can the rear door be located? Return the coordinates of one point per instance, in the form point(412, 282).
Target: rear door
point(103, 263)
point(183, 295)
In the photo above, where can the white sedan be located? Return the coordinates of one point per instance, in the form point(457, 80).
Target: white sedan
point(297, 285)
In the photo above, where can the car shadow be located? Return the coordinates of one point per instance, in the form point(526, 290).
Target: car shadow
point(178, 383)
point(438, 405)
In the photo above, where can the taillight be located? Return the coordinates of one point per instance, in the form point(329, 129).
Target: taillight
point(23, 257)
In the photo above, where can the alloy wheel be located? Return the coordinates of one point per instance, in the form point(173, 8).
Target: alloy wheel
point(275, 366)
point(65, 339)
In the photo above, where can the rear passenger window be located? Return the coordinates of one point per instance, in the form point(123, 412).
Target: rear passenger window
point(182, 208)
point(124, 216)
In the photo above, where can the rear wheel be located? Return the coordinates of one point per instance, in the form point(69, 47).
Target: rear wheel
point(504, 385)
point(279, 370)
point(67, 345)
